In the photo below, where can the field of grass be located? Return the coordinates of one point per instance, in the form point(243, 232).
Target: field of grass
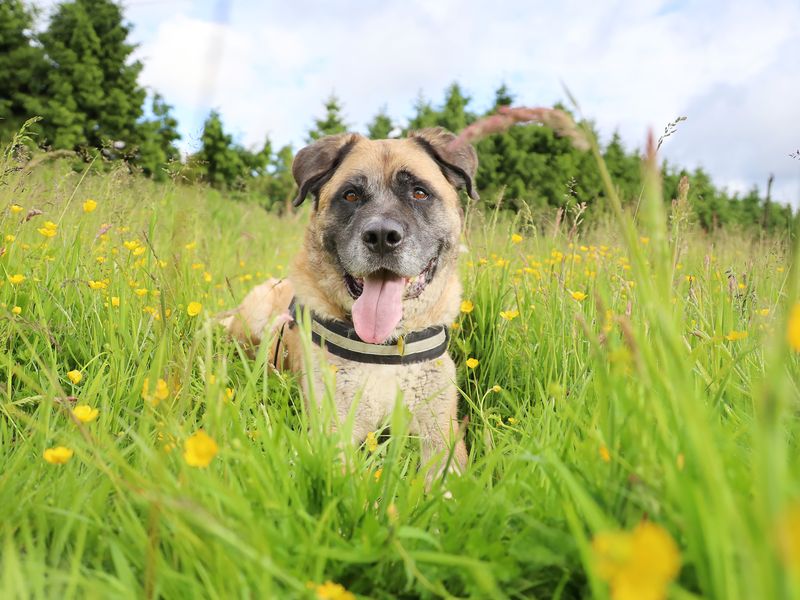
point(633, 414)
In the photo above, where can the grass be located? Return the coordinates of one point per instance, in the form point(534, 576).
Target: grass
point(642, 400)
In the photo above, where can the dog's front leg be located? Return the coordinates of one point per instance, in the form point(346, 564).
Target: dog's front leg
point(441, 441)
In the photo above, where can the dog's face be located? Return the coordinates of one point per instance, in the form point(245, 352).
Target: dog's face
point(384, 233)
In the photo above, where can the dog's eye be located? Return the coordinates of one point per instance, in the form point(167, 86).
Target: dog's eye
point(420, 194)
point(350, 196)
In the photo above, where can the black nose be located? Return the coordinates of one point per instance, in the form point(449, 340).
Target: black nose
point(382, 235)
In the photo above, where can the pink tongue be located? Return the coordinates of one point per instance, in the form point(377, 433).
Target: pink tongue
point(379, 308)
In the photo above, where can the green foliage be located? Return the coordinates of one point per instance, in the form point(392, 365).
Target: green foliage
point(226, 165)
point(157, 136)
point(381, 125)
point(332, 123)
point(219, 162)
point(22, 67)
point(94, 99)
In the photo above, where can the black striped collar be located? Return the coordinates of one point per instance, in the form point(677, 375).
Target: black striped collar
point(340, 339)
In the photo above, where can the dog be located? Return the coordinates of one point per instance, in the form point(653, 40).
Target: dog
point(378, 275)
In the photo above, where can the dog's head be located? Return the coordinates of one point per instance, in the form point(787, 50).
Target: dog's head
point(383, 238)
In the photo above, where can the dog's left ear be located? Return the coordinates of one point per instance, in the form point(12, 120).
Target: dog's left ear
point(316, 163)
point(458, 163)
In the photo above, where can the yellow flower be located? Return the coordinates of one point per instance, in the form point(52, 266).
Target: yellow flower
point(75, 376)
point(16, 279)
point(378, 474)
point(190, 245)
point(139, 250)
point(472, 363)
point(638, 565)
point(644, 240)
point(229, 394)
point(735, 336)
point(131, 244)
point(85, 413)
point(10, 237)
point(372, 442)
point(16, 310)
point(516, 238)
point(207, 277)
point(605, 455)
point(140, 292)
point(199, 450)
point(194, 309)
point(764, 312)
point(58, 455)
point(97, 285)
point(467, 306)
point(49, 230)
point(333, 591)
point(115, 301)
point(579, 296)
point(793, 328)
point(16, 208)
point(789, 537)
point(509, 315)
point(496, 388)
point(89, 205)
point(160, 393)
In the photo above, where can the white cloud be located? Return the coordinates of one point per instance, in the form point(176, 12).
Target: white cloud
point(631, 65)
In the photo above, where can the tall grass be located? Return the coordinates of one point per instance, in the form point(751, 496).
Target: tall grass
point(624, 389)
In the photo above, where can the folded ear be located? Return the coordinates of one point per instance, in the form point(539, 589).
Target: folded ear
point(458, 163)
point(315, 164)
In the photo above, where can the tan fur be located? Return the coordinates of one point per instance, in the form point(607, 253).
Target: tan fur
point(428, 388)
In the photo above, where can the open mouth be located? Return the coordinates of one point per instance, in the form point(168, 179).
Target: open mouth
point(378, 306)
point(414, 286)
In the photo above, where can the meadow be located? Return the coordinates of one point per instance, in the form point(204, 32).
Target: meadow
point(631, 391)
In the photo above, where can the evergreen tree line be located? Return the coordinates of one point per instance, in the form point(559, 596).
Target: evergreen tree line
point(78, 76)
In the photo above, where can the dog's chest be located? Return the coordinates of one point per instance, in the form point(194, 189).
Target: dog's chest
point(378, 387)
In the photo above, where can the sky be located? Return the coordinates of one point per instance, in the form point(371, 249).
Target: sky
point(732, 67)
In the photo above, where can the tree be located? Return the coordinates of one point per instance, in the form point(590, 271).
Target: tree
point(424, 115)
point(381, 125)
point(502, 97)
point(158, 136)
point(331, 123)
point(281, 185)
point(94, 96)
point(625, 169)
point(218, 161)
point(21, 67)
point(453, 115)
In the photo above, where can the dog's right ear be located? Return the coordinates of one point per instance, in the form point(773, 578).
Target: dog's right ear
point(316, 163)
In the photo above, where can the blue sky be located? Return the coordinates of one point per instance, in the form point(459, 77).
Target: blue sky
point(731, 67)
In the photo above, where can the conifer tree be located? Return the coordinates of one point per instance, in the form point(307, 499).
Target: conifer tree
point(93, 95)
point(219, 162)
point(21, 67)
point(157, 137)
point(454, 116)
point(331, 123)
point(381, 125)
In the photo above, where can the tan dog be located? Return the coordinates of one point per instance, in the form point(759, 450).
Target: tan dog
point(378, 273)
